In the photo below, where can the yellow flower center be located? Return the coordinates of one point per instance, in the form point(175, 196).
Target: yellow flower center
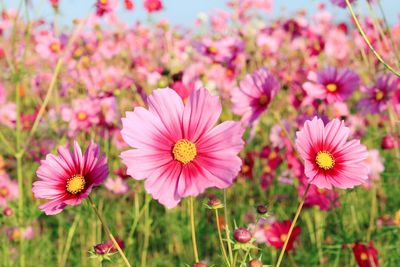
point(82, 116)
point(55, 47)
point(245, 168)
point(212, 50)
point(263, 100)
point(104, 2)
point(184, 151)
point(364, 256)
point(283, 237)
point(331, 87)
point(325, 160)
point(379, 95)
point(3, 191)
point(75, 184)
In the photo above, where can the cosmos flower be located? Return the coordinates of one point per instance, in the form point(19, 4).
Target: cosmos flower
point(48, 46)
point(153, 5)
point(83, 114)
point(254, 95)
point(366, 255)
point(176, 149)
point(341, 3)
point(8, 189)
point(277, 232)
point(68, 178)
point(377, 96)
point(323, 198)
point(117, 185)
point(331, 84)
point(329, 159)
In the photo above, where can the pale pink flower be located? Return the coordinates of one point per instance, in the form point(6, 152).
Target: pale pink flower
point(176, 149)
point(117, 185)
point(8, 189)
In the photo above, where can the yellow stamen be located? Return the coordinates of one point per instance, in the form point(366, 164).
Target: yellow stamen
point(104, 2)
point(325, 160)
point(55, 47)
point(212, 50)
point(75, 184)
point(283, 237)
point(82, 116)
point(331, 87)
point(364, 256)
point(263, 100)
point(379, 95)
point(245, 168)
point(184, 151)
point(3, 191)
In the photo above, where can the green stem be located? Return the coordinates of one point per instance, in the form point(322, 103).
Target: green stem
point(221, 242)
point(193, 229)
point(227, 227)
point(364, 36)
point(292, 225)
point(108, 232)
point(70, 235)
point(146, 232)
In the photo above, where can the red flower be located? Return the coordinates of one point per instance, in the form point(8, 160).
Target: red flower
point(277, 233)
point(153, 5)
point(366, 255)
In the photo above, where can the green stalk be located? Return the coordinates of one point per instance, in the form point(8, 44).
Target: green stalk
point(292, 226)
point(193, 229)
point(364, 36)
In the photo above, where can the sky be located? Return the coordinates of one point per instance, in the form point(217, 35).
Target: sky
point(184, 12)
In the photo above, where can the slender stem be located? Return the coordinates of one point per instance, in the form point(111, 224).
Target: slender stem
point(293, 225)
point(193, 228)
point(70, 235)
point(227, 227)
point(221, 242)
point(146, 233)
point(107, 229)
point(377, 55)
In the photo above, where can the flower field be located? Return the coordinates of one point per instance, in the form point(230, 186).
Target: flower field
point(247, 139)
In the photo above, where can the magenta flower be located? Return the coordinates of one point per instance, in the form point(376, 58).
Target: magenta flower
point(176, 149)
point(341, 3)
point(68, 178)
point(377, 96)
point(254, 95)
point(331, 84)
point(329, 159)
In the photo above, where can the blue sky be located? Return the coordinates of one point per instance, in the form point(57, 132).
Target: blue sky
point(185, 11)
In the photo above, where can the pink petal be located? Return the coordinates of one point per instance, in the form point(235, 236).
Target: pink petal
point(167, 105)
point(141, 163)
point(200, 114)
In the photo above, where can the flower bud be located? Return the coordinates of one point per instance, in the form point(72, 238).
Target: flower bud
point(262, 209)
point(199, 264)
point(101, 249)
point(242, 235)
point(7, 211)
point(255, 263)
point(388, 142)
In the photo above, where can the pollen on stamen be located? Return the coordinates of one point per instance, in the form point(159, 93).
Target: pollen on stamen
point(75, 184)
point(184, 151)
point(325, 160)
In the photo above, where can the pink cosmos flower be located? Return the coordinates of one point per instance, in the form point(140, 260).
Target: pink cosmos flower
point(329, 159)
point(277, 234)
point(68, 178)
point(375, 162)
point(8, 189)
point(331, 84)
point(341, 3)
point(117, 185)
point(323, 198)
point(253, 95)
point(8, 114)
point(153, 5)
point(48, 46)
point(82, 115)
point(176, 149)
point(377, 96)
